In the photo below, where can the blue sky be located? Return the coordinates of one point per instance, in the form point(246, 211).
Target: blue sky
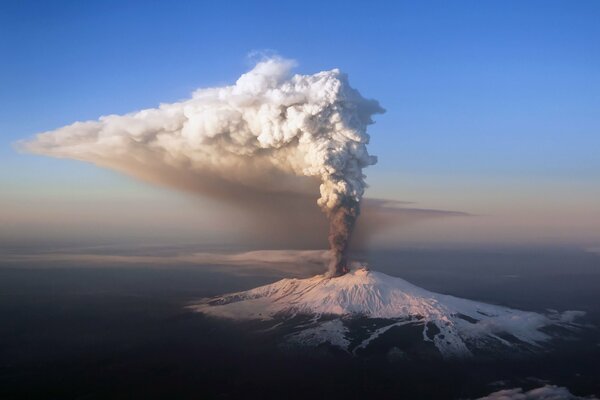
point(480, 96)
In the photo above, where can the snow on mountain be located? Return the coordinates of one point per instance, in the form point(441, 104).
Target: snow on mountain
point(453, 324)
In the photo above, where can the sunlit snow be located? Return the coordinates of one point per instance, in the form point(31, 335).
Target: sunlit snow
point(461, 324)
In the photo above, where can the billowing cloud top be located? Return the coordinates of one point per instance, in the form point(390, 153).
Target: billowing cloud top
point(301, 125)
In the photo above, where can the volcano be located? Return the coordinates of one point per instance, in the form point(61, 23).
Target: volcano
point(320, 310)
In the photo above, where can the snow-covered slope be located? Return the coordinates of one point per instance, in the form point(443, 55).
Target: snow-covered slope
point(461, 324)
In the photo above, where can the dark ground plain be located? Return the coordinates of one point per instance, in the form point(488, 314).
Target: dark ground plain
point(82, 332)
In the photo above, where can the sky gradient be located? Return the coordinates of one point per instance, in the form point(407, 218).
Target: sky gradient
point(492, 110)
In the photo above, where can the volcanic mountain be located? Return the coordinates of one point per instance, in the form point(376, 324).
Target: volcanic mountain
point(454, 325)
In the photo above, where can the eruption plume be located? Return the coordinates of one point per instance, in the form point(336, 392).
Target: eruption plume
point(271, 132)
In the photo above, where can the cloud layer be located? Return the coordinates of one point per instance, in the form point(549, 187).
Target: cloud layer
point(547, 392)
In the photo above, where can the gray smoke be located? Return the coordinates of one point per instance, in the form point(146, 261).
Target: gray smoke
point(342, 219)
point(270, 132)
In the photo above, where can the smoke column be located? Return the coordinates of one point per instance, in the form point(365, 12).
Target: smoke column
point(270, 132)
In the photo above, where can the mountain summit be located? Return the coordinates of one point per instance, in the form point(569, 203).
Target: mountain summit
point(454, 325)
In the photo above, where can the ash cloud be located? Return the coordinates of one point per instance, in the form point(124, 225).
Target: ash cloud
point(270, 136)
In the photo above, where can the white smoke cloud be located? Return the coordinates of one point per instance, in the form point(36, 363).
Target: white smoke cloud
point(547, 392)
point(270, 132)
